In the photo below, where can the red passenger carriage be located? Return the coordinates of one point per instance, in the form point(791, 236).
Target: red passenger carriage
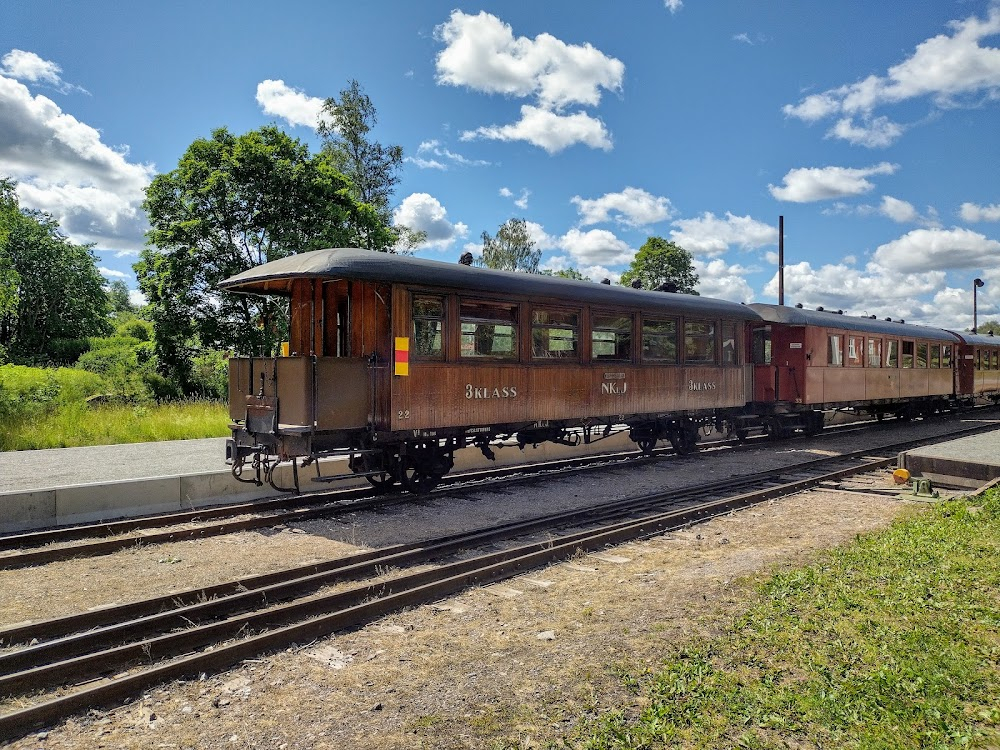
point(399, 361)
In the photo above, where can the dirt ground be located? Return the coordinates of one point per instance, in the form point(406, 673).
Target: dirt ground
point(512, 664)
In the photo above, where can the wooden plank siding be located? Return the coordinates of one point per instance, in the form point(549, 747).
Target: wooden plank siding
point(457, 391)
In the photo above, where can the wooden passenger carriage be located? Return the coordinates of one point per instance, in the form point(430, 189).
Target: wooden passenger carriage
point(822, 360)
point(978, 366)
point(399, 361)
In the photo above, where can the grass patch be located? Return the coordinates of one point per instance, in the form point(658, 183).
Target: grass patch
point(890, 642)
point(77, 424)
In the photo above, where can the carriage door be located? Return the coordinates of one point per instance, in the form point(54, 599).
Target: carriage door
point(779, 363)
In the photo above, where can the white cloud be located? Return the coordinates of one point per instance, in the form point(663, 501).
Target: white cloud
point(974, 212)
point(292, 105)
point(673, 5)
point(632, 207)
point(482, 53)
point(27, 66)
point(425, 213)
point(548, 130)
point(877, 132)
point(898, 210)
point(872, 290)
point(521, 201)
point(434, 148)
point(137, 298)
point(717, 278)
point(937, 250)
point(596, 247)
point(113, 274)
point(711, 235)
point(808, 184)
point(542, 239)
point(63, 167)
point(944, 68)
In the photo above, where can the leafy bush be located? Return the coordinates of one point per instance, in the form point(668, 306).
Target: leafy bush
point(29, 392)
point(122, 361)
point(210, 375)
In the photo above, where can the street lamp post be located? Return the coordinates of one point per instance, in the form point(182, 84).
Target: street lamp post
point(976, 284)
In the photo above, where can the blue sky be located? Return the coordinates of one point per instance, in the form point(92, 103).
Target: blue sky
point(872, 127)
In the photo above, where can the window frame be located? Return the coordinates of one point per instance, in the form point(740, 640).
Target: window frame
point(912, 355)
point(628, 331)
point(443, 331)
point(835, 353)
point(874, 357)
point(676, 339)
point(576, 340)
point(513, 323)
point(714, 336)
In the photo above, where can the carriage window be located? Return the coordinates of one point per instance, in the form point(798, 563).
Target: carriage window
point(892, 354)
point(489, 329)
point(554, 333)
point(986, 359)
point(979, 359)
point(762, 346)
point(835, 353)
point(729, 344)
point(855, 347)
point(611, 337)
point(874, 352)
point(659, 340)
point(908, 349)
point(921, 355)
point(996, 359)
point(936, 356)
point(699, 343)
point(946, 355)
point(428, 323)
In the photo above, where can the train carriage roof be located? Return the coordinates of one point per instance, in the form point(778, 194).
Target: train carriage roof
point(977, 339)
point(351, 263)
point(797, 316)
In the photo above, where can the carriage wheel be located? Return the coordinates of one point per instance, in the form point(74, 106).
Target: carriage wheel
point(414, 478)
point(423, 466)
point(646, 445)
point(370, 462)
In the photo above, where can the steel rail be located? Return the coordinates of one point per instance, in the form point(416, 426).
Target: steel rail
point(365, 500)
point(360, 605)
point(355, 498)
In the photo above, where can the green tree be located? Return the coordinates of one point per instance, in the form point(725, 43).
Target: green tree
point(118, 298)
point(51, 292)
point(512, 249)
point(566, 273)
point(988, 326)
point(234, 202)
point(371, 168)
point(659, 263)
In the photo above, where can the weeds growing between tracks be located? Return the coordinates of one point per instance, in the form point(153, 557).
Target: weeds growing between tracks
point(890, 642)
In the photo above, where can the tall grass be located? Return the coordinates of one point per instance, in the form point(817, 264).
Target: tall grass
point(65, 407)
point(78, 424)
point(890, 642)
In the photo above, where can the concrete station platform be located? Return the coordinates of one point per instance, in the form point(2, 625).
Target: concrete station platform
point(45, 488)
point(968, 462)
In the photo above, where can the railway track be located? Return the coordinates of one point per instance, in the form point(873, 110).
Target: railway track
point(111, 654)
point(49, 545)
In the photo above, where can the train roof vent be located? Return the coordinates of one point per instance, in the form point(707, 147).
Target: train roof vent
point(840, 312)
point(798, 305)
point(819, 309)
point(888, 320)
